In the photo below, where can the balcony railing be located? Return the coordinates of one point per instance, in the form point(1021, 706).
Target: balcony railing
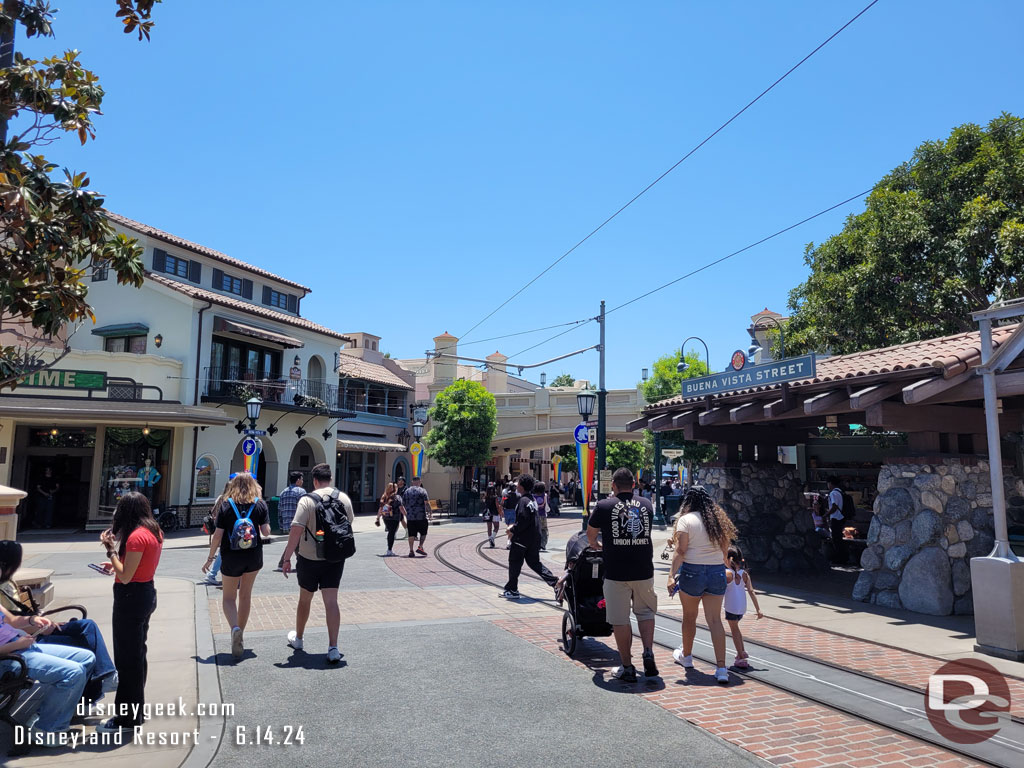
point(237, 383)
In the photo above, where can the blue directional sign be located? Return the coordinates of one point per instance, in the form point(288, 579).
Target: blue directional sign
point(580, 434)
point(777, 372)
point(248, 447)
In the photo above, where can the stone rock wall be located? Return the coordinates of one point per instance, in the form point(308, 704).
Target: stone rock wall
point(930, 519)
point(766, 503)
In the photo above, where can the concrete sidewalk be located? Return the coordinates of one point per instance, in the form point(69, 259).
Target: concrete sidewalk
point(172, 676)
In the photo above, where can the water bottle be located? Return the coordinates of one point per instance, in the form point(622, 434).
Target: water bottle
point(674, 588)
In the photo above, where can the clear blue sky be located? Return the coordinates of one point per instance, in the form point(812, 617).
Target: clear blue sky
point(417, 162)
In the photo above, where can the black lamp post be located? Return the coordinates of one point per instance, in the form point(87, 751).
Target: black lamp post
point(417, 430)
point(253, 406)
point(683, 365)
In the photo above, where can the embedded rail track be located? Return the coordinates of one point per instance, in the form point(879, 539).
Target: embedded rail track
point(893, 706)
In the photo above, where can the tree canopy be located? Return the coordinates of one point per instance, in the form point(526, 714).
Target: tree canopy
point(563, 380)
point(464, 420)
point(53, 231)
point(626, 453)
point(941, 236)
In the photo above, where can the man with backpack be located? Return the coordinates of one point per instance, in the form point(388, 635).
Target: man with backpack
point(321, 533)
point(840, 505)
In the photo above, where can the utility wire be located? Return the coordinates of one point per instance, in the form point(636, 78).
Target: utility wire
point(552, 338)
point(644, 191)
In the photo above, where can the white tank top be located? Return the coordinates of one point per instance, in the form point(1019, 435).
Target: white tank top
point(736, 594)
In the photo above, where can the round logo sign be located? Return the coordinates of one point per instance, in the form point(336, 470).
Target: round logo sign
point(415, 448)
point(580, 433)
point(739, 359)
point(248, 447)
point(967, 700)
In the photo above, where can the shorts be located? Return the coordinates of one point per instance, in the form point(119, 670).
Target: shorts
point(619, 595)
point(318, 574)
point(417, 527)
point(733, 616)
point(510, 517)
point(696, 580)
point(237, 563)
point(493, 517)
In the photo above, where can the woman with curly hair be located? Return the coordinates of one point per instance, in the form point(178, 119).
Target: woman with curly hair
point(702, 537)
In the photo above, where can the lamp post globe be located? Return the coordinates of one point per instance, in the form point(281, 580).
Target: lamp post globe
point(252, 410)
point(585, 402)
point(681, 366)
point(417, 430)
point(644, 374)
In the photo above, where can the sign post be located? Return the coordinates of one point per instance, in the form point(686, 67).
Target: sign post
point(251, 448)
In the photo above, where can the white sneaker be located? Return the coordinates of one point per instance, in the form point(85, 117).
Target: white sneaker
point(109, 683)
point(237, 649)
point(491, 539)
point(389, 553)
point(685, 661)
point(333, 655)
point(294, 640)
point(722, 675)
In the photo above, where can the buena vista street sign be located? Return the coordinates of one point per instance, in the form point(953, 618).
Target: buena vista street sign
point(777, 372)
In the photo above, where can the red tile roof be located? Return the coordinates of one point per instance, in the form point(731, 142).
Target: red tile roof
point(202, 250)
point(243, 306)
point(946, 356)
point(356, 368)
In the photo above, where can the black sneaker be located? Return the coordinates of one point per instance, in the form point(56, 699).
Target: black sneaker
point(650, 668)
point(625, 674)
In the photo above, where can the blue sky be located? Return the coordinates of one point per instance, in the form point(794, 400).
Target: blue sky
point(417, 162)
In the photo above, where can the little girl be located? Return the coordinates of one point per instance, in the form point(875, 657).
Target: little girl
point(737, 585)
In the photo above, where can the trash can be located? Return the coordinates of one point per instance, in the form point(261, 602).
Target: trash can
point(275, 520)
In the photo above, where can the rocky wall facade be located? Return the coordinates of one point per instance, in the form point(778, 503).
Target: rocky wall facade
point(766, 503)
point(931, 517)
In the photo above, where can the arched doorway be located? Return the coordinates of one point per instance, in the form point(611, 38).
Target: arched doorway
point(316, 384)
point(266, 468)
point(400, 469)
point(305, 456)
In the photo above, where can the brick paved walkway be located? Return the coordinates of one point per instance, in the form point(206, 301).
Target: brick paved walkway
point(780, 727)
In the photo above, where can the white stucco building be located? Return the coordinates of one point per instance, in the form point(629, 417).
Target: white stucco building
point(150, 396)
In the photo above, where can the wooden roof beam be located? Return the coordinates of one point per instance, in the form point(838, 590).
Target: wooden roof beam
point(717, 415)
point(921, 391)
point(747, 412)
point(925, 418)
point(836, 400)
point(862, 398)
point(682, 419)
point(1008, 384)
point(660, 423)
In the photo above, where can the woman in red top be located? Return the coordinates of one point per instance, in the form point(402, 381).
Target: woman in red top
point(133, 544)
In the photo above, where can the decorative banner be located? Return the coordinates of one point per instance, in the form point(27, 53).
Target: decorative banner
point(251, 448)
point(584, 463)
point(416, 449)
point(556, 468)
point(680, 474)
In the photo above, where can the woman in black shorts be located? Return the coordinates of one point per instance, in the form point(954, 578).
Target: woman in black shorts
point(242, 522)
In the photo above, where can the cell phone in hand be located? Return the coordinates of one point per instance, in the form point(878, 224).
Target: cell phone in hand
point(99, 568)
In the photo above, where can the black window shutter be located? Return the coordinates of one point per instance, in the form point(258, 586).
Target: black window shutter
point(247, 289)
point(218, 279)
point(293, 303)
point(195, 271)
point(159, 260)
point(266, 295)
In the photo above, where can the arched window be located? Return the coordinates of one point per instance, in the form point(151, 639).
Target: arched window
point(206, 477)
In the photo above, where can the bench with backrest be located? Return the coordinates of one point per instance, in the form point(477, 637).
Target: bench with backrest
point(437, 508)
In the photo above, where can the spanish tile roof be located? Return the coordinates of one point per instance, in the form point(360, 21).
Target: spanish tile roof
point(945, 356)
point(354, 367)
point(243, 306)
point(202, 250)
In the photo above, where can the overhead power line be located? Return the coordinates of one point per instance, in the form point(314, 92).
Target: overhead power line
point(675, 165)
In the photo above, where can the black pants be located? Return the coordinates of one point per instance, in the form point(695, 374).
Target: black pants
point(134, 604)
point(516, 557)
point(840, 552)
point(392, 528)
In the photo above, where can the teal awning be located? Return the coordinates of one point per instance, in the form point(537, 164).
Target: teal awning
point(122, 329)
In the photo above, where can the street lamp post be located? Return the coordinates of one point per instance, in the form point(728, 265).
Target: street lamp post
point(683, 365)
point(417, 430)
point(755, 347)
point(252, 449)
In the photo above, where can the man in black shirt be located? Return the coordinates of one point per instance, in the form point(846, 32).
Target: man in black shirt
point(624, 522)
point(524, 537)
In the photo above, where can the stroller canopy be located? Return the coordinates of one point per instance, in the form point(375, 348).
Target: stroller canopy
point(576, 545)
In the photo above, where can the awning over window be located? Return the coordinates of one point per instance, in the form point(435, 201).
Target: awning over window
point(53, 410)
point(122, 329)
point(243, 329)
point(369, 443)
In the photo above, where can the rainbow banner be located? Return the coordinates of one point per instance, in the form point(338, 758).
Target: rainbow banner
point(585, 461)
point(680, 474)
point(251, 448)
point(556, 468)
point(416, 450)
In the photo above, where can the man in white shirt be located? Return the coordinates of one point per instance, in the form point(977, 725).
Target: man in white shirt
point(836, 523)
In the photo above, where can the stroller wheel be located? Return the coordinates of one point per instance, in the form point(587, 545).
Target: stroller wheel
point(569, 633)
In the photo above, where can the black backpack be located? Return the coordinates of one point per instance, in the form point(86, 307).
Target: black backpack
point(849, 508)
point(334, 539)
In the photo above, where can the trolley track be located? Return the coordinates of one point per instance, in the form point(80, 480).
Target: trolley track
point(890, 705)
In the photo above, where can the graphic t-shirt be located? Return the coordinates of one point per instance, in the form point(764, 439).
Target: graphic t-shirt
point(625, 524)
point(526, 532)
point(415, 498)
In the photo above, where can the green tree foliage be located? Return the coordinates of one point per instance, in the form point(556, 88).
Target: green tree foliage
point(625, 453)
point(563, 380)
point(940, 237)
point(53, 232)
point(464, 420)
point(667, 381)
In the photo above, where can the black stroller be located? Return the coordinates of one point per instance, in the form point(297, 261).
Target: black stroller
point(583, 592)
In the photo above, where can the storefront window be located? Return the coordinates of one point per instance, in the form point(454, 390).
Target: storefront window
point(369, 478)
point(44, 437)
point(133, 461)
point(354, 478)
point(206, 477)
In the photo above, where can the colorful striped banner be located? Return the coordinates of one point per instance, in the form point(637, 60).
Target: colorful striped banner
point(556, 468)
point(251, 448)
point(585, 462)
point(416, 450)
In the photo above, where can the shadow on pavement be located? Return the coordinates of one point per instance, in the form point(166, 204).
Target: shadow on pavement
point(303, 660)
point(707, 680)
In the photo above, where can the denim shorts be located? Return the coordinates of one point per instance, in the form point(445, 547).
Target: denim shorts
point(510, 516)
point(696, 580)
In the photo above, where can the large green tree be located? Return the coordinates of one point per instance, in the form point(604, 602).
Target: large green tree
point(563, 380)
point(626, 453)
point(941, 236)
point(464, 420)
point(667, 381)
point(53, 232)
